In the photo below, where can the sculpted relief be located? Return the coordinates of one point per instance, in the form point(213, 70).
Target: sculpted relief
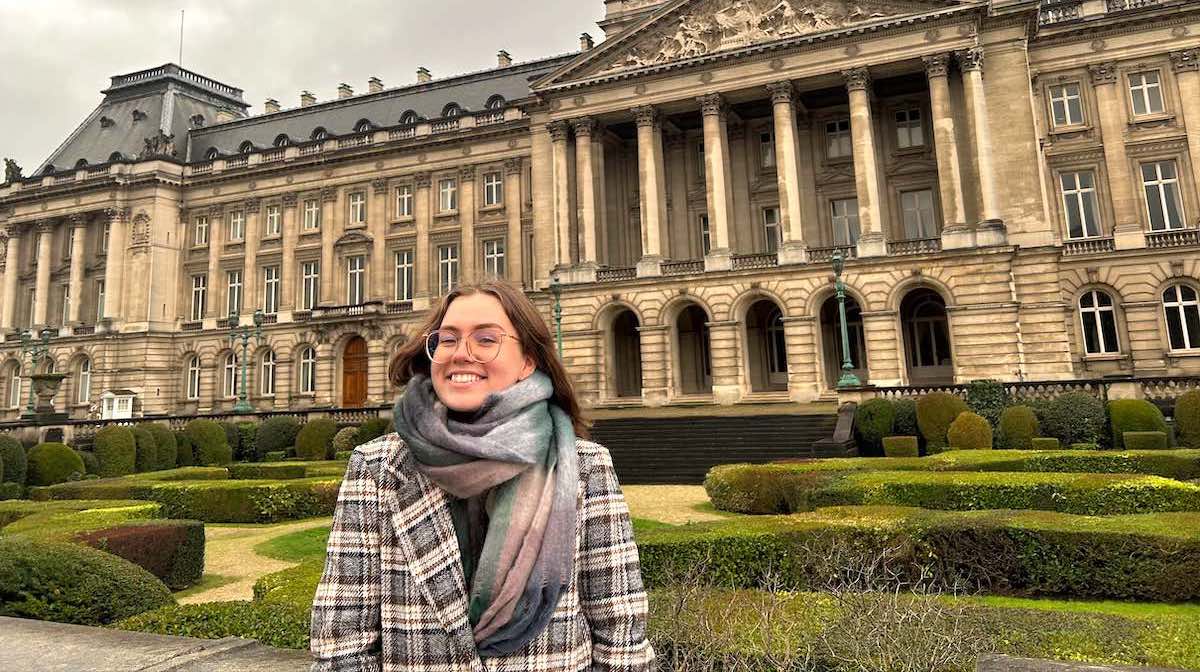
point(717, 25)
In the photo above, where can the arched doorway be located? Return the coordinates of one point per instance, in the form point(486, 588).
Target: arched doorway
point(625, 350)
point(354, 373)
point(926, 338)
point(695, 363)
point(831, 340)
point(766, 347)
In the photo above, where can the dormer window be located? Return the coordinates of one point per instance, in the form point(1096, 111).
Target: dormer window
point(282, 140)
point(363, 126)
point(246, 147)
point(409, 118)
point(496, 102)
point(452, 110)
point(319, 133)
point(49, 169)
point(115, 157)
point(138, 115)
point(212, 154)
point(197, 120)
point(82, 163)
point(106, 122)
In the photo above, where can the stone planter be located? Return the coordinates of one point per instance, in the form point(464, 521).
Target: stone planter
point(45, 386)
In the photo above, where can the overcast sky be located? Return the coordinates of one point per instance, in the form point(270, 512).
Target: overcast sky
point(56, 55)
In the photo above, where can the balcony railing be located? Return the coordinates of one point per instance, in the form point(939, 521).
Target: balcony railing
point(1177, 238)
point(396, 307)
point(237, 162)
point(301, 315)
point(683, 267)
point(195, 325)
point(444, 126)
point(227, 322)
point(310, 149)
point(360, 140)
point(270, 318)
point(486, 118)
point(1122, 5)
point(62, 179)
point(402, 133)
point(1087, 246)
point(824, 254)
point(1060, 12)
point(615, 274)
point(744, 262)
point(202, 168)
point(97, 172)
point(348, 310)
point(914, 246)
point(272, 156)
point(84, 330)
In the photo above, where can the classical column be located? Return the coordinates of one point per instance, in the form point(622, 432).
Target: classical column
point(12, 268)
point(726, 358)
point(287, 265)
point(114, 270)
point(41, 296)
point(422, 220)
point(559, 136)
point(216, 242)
point(512, 212)
point(991, 229)
point(1127, 228)
point(655, 354)
point(717, 185)
point(652, 189)
point(871, 241)
point(955, 232)
point(78, 224)
point(328, 235)
point(466, 221)
point(250, 277)
point(1187, 73)
point(585, 179)
point(378, 226)
point(787, 168)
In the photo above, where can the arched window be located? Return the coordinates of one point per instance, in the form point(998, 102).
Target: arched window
point(246, 147)
point(452, 110)
point(82, 163)
point(14, 385)
point(776, 343)
point(308, 370)
point(1183, 317)
point(83, 386)
point(231, 379)
point(193, 377)
point(363, 126)
point(282, 140)
point(47, 365)
point(212, 154)
point(409, 118)
point(267, 377)
point(496, 102)
point(117, 157)
point(49, 169)
point(1099, 321)
point(319, 133)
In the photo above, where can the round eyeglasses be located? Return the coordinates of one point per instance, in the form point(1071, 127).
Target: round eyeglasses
point(483, 345)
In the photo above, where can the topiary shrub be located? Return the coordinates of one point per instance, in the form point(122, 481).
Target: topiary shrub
point(1074, 417)
point(970, 431)
point(1134, 415)
point(147, 449)
point(247, 441)
point(232, 436)
point(275, 456)
point(935, 412)
point(90, 464)
point(116, 450)
point(51, 463)
point(1145, 440)
point(172, 550)
point(343, 441)
point(900, 446)
point(168, 447)
point(209, 443)
point(905, 422)
point(11, 491)
point(185, 454)
point(874, 420)
point(987, 398)
point(373, 429)
point(12, 456)
point(277, 434)
point(71, 583)
point(1187, 419)
point(1045, 443)
point(315, 440)
point(1018, 427)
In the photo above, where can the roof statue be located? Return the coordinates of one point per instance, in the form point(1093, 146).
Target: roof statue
point(12, 172)
point(159, 145)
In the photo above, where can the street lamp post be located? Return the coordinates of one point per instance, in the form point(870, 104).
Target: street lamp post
point(848, 378)
point(236, 331)
point(556, 288)
point(35, 349)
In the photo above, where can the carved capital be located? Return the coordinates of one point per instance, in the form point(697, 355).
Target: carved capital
point(513, 166)
point(646, 116)
point(77, 221)
point(466, 173)
point(970, 59)
point(1103, 73)
point(583, 127)
point(559, 130)
point(44, 226)
point(781, 92)
point(13, 229)
point(421, 180)
point(1185, 59)
point(937, 65)
point(328, 194)
point(379, 186)
point(857, 79)
point(252, 206)
point(711, 104)
point(289, 199)
point(216, 211)
point(116, 214)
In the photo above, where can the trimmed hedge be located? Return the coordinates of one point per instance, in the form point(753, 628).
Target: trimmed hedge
point(233, 436)
point(90, 464)
point(1074, 417)
point(900, 446)
point(267, 471)
point(1018, 427)
point(209, 443)
point(61, 521)
point(1134, 415)
point(1187, 419)
point(277, 434)
point(11, 491)
point(373, 429)
point(147, 449)
point(275, 456)
point(51, 463)
point(1145, 440)
point(248, 441)
point(168, 447)
point(905, 422)
point(343, 441)
point(1084, 446)
point(70, 583)
point(172, 550)
point(315, 440)
point(988, 399)
point(874, 419)
point(116, 449)
point(1045, 443)
point(12, 456)
point(935, 412)
point(278, 625)
point(969, 431)
point(343, 455)
point(186, 456)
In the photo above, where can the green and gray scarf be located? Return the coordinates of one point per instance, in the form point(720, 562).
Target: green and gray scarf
point(515, 458)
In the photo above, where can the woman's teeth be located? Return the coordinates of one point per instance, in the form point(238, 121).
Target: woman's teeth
point(464, 378)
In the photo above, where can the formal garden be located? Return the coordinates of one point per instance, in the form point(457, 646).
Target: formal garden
point(1064, 528)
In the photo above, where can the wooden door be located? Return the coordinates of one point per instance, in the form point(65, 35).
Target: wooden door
point(354, 373)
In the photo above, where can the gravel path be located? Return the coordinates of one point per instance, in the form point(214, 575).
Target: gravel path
point(672, 504)
point(230, 552)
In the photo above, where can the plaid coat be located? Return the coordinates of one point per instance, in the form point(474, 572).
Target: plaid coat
point(393, 596)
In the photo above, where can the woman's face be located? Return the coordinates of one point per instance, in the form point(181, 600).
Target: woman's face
point(461, 383)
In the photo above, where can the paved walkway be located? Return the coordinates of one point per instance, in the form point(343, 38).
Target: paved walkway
point(229, 552)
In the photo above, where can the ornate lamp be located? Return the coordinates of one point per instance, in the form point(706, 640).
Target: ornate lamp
point(848, 378)
point(556, 289)
point(236, 331)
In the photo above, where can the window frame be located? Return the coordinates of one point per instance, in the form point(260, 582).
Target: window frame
point(1066, 98)
point(200, 231)
point(404, 200)
point(356, 201)
point(266, 373)
point(494, 260)
point(308, 370)
point(192, 378)
point(932, 214)
point(837, 138)
point(1191, 341)
point(448, 267)
point(851, 215)
point(271, 289)
point(705, 225)
point(356, 279)
point(766, 150)
point(447, 195)
point(771, 243)
point(83, 386)
point(907, 128)
point(310, 281)
point(199, 303)
point(229, 379)
point(1080, 195)
point(273, 221)
point(237, 225)
point(1144, 89)
point(493, 189)
point(312, 206)
point(1096, 311)
point(234, 294)
point(1163, 203)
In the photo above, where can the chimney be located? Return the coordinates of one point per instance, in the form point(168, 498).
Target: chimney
point(585, 42)
point(423, 75)
point(374, 85)
point(271, 106)
point(503, 59)
point(344, 91)
point(307, 99)
point(225, 114)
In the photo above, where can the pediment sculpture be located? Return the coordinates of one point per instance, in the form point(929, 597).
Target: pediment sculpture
point(12, 171)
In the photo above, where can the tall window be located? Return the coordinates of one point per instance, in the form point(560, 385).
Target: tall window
point(32, 303)
point(310, 284)
point(493, 258)
point(1146, 92)
point(766, 149)
point(237, 225)
point(83, 388)
point(1099, 323)
point(70, 242)
point(270, 289)
point(66, 303)
point(404, 275)
point(358, 207)
point(231, 375)
point(308, 370)
point(918, 214)
point(266, 376)
point(200, 236)
point(844, 212)
point(14, 387)
point(193, 377)
point(404, 200)
point(1066, 105)
point(105, 234)
point(447, 195)
point(99, 300)
point(1183, 317)
point(705, 235)
point(909, 131)
point(199, 296)
point(771, 232)
point(356, 275)
point(273, 221)
point(493, 188)
point(776, 343)
point(1161, 182)
point(700, 163)
point(447, 268)
point(312, 214)
point(1079, 204)
point(233, 294)
point(837, 139)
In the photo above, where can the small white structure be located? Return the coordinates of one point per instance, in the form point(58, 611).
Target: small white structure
point(117, 404)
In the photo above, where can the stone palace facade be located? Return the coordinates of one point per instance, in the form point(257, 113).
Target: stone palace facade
point(1012, 182)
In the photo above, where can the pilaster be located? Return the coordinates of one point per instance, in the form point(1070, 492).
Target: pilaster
point(871, 241)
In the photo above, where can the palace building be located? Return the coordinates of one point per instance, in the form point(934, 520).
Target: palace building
point(1012, 184)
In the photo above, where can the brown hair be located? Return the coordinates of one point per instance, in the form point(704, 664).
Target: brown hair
point(532, 333)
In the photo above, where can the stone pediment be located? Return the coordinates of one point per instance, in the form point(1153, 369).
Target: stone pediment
point(690, 29)
point(352, 238)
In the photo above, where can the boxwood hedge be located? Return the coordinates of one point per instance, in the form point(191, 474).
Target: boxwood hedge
point(116, 449)
point(51, 463)
point(277, 625)
point(12, 455)
point(283, 471)
point(172, 550)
